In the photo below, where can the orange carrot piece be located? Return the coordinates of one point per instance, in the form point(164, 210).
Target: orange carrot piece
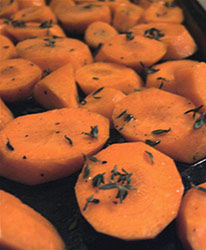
point(53, 52)
point(59, 6)
point(152, 180)
point(33, 30)
point(35, 14)
point(130, 50)
point(7, 48)
point(5, 114)
point(161, 118)
point(97, 33)
point(26, 4)
point(178, 40)
point(146, 3)
point(58, 89)
point(102, 101)
point(190, 82)
point(18, 77)
point(8, 8)
point(191, 221)
point(42, 147)
point(163, 74)
point(99, 74)
point(15, 234)
point(75, 19)
point(3, 24)
point(162, 12)
point(126, 16)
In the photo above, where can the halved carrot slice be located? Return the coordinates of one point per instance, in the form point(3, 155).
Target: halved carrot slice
point(163, 74)
point(42, 147)
point(18, 77)
point(5, 114)
point(100, 74)
point(15, 234)
point(35, 14)
point(7, 48)
point(162, 119)
point(54, 52)
point(58, 89)
point(131, 50)
point(8, 8)
point(191, 220)
point(180, 44)
point(146, 3)
point(59, 6)
point(132, 191)
point(26, 4)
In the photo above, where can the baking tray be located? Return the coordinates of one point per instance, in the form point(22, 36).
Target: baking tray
point(56, 200)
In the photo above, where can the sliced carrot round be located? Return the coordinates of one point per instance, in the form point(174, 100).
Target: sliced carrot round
point(144, 201)
point(8, 8)
point(18, 77)
point(100, 74)
point(5, 114)
point(131, 50)
point(46, 146)
point(7, 48)
point(54, 52)
point(26, 4)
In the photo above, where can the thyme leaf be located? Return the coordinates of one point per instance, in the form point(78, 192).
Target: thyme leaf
point(151, 156)
point(18, 23)
point(90, 200)
point(45, 24)
point(200, 121)
point(152, 143)
point(50, 43)
point(153, 33)
point(86, 171)
point(195, 111)
point(161, 131)
point(98, 179)
point(9, 146)
point(97, 91)
point(121, 114)
point(69, 140)
point(93, 132)
point(129, 36)
point(94, 159)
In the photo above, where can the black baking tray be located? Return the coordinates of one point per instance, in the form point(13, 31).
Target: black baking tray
point(56, 200)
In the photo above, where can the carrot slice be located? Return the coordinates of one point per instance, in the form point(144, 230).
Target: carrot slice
point(146, 3)
point(163, 74)
point(26, 4)
point(131, 50)
point(18, 77)
point(126, 16)
point(8, 8)
point(15, 234)
point(3, 24)
point(191, 218)
point(53, 147)
point(7, 48)
point(190, 82)
point(33, 30)
point(180, 43)
point(97, 33)
point(58, 89)
point(163, 12)
point(35, 14)
point(54, 52)
point(5, 114)
point(59, 6)
point(102, 101)
point(161, 118)
point(75, 19)
point(99, 74)
point(146, 185)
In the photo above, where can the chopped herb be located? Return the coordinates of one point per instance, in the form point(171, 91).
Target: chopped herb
point(128, 117)
point(18, 23)
point(98, 179)
point(147, 70)
point(122, 177)
point(152, 143)
point(69, 140)
point(195, 111)
point(90, 200)
point(97, 97)
point(93, 133)
point(47, 72)
point(97, 91)
point(88, 6)
point(153, 33)
point(94, 159)
point(84, 157)
point(9, 146)
point(45, 24)
point(161, 85)
point(6, 47)
point(86, 171)
point(120, 115)
point(95, 78)
point(198, 188)
point(151, 156)
point(200, 121)
point(129, 36)
point(161, 131)
point(50, 43)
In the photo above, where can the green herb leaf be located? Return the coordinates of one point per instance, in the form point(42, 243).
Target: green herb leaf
point(151, 156)
point(98, 179)
point(97, 91)
point(198, 188)
point(45, 24)
point(94, 159)
point(84, 156)
point(93, 133)
point(161, 131)
point(51, 43)
point(154, 33)
point(195, 111)
point(128, 117)
point(90, 200)
point(69, 140)
point(129, 36)
point(18, 23)
point(86, 171)
point(120, 115)
point(148, 70)
point(152, 143)
point(9, 146)
point(110, 185)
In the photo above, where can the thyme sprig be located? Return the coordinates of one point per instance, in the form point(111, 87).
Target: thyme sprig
point(150, 156)
point(195, 111)
point(90, 200)
point(86, 171)
point(154, 33)
point(98, 179)
point(93, 132)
